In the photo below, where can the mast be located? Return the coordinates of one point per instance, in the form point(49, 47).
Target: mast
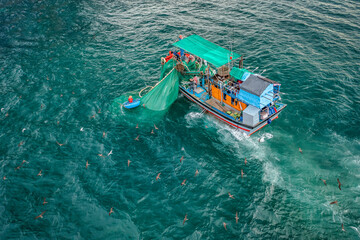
point(208, 80)
point(241, 62)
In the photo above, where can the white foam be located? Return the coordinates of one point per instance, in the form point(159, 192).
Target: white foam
point(356, 230)
point(143, 198)
point(272, 174)
point(193, 117)
point(265, 136)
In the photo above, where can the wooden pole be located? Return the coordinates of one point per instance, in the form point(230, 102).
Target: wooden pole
point(208, 80)
point(241, 62)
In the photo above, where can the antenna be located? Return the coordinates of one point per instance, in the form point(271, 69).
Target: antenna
point(255, 69)
point(263, 72)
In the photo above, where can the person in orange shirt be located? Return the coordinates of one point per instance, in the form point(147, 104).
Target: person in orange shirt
point(167, 58)
point(130, 100)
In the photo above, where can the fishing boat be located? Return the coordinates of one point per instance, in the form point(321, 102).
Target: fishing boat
point(133, 104)
point(233, 94)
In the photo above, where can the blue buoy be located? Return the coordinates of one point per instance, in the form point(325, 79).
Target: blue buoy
point(269, 121)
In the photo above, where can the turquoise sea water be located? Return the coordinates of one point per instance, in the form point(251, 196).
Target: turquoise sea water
point(64, 61)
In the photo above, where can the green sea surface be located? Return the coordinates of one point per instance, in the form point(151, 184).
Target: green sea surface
point(62, 65)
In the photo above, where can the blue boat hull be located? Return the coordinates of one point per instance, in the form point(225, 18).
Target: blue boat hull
point(134, 104)
point(224, 117)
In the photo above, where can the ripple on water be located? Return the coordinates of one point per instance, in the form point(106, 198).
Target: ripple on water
point(95, 54)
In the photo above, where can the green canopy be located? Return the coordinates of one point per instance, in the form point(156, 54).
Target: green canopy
point(204, 49)
point(237, 73)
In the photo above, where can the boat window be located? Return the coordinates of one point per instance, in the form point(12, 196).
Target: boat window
point(232, 101)
point(224, 96)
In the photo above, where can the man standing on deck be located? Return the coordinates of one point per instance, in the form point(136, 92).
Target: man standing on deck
point(193, 83)
point(182, 56)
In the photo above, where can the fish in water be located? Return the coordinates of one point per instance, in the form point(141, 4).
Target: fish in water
point(110, 152)
point(224, 224)
point(129, 163)
point(158, 176)
point(137, 138)
point(111, 211)
point(45, 202)
point(181, 159)
point(87, 164)
point(183, 182)
point(185, 219)
point(236, 217)
point(334, 202)
point(41, 215)
point(155, 127)
point(39, 174)
point(300, 150)
point(324, 181)
point(339, 183)
point(231, 196)
point(196, 172)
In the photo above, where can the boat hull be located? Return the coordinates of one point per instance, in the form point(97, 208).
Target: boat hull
point(246, 129)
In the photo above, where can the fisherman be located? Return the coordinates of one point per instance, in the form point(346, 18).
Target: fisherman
point(177, 55)
point(130, 100)
point(181, 50)
point(167, 58)
point(191, 58)
point(193, 83)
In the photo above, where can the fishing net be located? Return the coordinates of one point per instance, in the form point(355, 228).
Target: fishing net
point(162, 95)
point(165, 92)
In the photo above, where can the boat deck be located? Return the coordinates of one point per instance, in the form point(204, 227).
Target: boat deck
point(199, 93)
point(217, 104)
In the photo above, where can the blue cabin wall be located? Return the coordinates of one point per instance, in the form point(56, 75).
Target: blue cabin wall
point(266, 95)
point(257, 101)
point(249, 98)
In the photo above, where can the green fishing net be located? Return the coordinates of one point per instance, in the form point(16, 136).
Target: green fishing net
point(160, 96)
point(165, 92)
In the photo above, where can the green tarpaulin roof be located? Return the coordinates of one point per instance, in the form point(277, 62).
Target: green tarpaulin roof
point(204, 49)
point(237, 72)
